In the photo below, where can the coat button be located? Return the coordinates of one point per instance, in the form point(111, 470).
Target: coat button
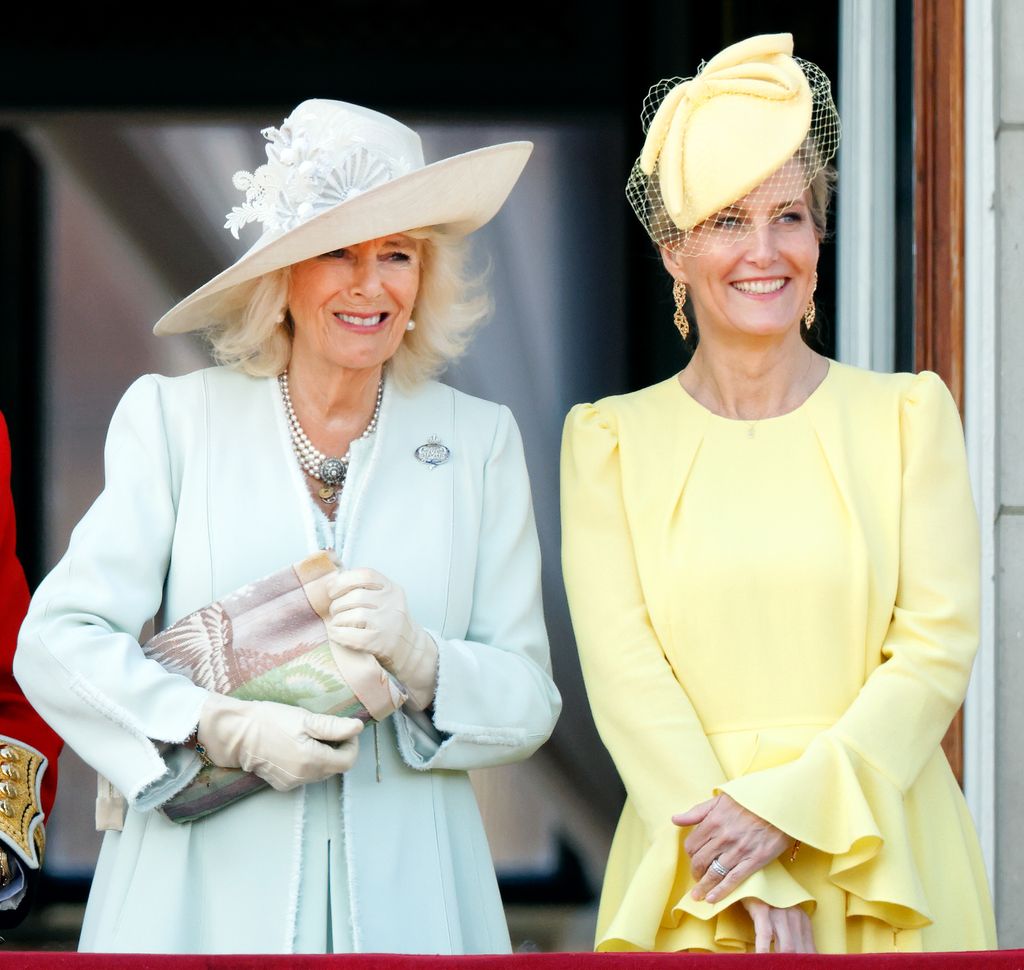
point(7, 753)
point(6, 809)
point(11, 771)
point(6, 788)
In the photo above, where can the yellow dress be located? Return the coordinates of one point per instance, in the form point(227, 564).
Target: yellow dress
point(785, 610)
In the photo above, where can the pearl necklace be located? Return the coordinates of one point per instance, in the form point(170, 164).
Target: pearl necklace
point(330, 471)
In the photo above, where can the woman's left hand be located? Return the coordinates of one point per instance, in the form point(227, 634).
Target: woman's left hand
point(741, 841)
point(789, 929)
point(369, 612)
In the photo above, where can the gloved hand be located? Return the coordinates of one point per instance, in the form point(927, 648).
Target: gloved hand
point(282, 744)
point(368, 612)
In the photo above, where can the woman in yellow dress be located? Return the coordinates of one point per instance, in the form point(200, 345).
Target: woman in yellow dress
point(772, 566)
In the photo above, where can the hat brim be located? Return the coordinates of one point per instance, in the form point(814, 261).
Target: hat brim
point(455, 196)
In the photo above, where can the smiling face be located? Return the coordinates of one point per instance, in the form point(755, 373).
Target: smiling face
point(350, 307)
point(757, 276)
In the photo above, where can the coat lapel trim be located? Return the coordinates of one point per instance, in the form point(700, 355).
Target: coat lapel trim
point(296, 877)
point(304, 503)
point(376, 445)
point(302, 498)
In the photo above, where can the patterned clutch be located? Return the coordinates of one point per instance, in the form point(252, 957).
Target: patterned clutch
point(268, 642)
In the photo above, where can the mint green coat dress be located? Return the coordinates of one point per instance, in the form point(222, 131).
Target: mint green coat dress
point(202, 495)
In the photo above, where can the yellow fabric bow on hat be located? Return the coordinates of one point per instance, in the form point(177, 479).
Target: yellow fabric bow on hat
point(718, 135)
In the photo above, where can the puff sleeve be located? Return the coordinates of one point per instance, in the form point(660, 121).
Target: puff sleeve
point(844, 795)
point(496, 701)
point(644, 716)
point(78, 659)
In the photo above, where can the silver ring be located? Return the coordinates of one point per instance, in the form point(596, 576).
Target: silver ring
point(718, 868)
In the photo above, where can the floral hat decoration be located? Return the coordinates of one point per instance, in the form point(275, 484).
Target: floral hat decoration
point(714, 137)
point(338, 174)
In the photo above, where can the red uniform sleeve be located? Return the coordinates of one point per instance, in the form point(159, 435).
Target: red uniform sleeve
point(17, 718)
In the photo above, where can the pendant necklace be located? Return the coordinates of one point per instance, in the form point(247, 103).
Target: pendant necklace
point(330, 472)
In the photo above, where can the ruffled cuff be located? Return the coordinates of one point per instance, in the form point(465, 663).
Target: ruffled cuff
point(686, 923)
point(832, 799)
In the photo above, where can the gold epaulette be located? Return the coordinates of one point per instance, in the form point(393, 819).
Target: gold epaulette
point(21, 817)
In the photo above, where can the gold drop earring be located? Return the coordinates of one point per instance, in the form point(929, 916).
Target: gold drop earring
point(679, 317)
point(809, 313)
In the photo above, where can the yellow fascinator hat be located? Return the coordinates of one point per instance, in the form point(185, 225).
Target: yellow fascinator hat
point(715, 137)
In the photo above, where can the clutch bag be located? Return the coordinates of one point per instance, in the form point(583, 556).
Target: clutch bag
point(268, 642)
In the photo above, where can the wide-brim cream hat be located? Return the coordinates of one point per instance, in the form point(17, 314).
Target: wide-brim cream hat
point(338, 174)
point(715, 137)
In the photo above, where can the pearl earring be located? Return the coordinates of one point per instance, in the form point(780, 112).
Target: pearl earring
point(411, 325)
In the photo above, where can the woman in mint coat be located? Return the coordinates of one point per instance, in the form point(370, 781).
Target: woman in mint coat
point(228, 474)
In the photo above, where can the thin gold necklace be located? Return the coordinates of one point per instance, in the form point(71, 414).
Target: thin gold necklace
point(752, 425)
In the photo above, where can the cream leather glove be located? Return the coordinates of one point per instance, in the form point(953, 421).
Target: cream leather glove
point(369, 612)
point(282, 744)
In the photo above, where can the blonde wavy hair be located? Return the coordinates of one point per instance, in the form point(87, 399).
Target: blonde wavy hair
point(450, 305)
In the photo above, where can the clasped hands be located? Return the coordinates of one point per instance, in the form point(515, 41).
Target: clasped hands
point(288, 746)
point(742, 843)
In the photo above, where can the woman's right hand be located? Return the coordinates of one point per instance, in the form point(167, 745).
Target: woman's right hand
point(789, 928)
point(285, 746)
